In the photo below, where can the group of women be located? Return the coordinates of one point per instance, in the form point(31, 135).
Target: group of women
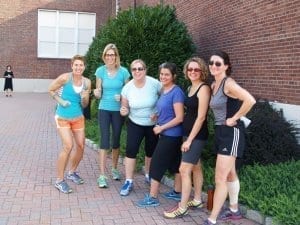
point(173, 125)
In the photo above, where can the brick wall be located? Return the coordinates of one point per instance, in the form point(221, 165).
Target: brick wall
point(262, 38)
point(18, 34)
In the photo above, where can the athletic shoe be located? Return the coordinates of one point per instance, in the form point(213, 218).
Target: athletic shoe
point(176, 212)
point(194, 205)
point(63, 187)
point(75, 178)
point(207, 222)
point(102, 181)
point(172, 195)
point(148, 201)
point(126, 188)
point(227, 214)
point(115, 174)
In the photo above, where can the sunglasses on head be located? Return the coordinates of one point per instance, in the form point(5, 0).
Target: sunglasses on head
point(197, 70)
point(217, 64)
point(137, 69)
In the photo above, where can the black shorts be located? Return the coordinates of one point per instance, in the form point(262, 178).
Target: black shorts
point(167, 156)
point(230, 140)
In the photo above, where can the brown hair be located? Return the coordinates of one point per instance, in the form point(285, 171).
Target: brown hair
point(202, 65)
point(78, 57)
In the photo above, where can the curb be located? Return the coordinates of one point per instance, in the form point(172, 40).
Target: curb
point(250, 214)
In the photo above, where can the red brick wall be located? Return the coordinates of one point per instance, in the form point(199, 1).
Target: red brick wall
point(18, 34)
point(262, 38)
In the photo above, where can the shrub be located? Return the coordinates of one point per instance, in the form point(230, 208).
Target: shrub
point(270, 138)
point(273, 190)
point(153, 34)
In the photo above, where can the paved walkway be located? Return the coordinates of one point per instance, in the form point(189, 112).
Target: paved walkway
point(29, 146)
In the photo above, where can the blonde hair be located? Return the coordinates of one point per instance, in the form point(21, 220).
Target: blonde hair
point(115, 49)
point(202, 65)
point(138, 61)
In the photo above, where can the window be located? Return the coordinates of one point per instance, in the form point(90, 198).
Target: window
point(63, 34)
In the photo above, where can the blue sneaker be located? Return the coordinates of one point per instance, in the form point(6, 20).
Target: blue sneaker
point(148, 201)
point(75, 178)
point(126, 188)
point(172, 195)
point(63, 187)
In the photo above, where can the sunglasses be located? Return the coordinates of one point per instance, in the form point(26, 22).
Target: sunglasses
point(137, 69)
point(110, 55)
point(217, 64)
point(197, 70)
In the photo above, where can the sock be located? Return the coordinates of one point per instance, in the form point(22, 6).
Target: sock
point(197, 201)
point(147, 175)
point(233, 210)
point(233, 191)
point(176, 192)
point(58, 180)
point(212, 221)
point(130, 180)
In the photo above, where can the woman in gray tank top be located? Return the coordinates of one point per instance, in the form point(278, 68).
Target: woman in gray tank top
point(229, 102)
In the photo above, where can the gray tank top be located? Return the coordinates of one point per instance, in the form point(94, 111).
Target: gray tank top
point(222, 105)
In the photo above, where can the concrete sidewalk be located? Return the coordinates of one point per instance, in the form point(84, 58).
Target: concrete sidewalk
point(29, 146)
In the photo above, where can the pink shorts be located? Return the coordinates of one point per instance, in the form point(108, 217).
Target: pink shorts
point(73, 124)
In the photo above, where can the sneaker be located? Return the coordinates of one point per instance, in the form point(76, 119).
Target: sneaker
point(63, 187)
point(207, 222)
point(75, 178)
point(126, 188)
point(115, 174)
point(227, 214)
point(195, 205)
point(148, 201)
point(172, 195)
point(102, 181)
point(176, 212)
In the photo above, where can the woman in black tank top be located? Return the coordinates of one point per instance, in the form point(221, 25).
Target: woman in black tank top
point(195, 136)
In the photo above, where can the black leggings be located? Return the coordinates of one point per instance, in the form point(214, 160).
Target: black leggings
point(135, 135)
point(167, 156)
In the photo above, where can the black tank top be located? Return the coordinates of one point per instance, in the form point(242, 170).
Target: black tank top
point(191, 113)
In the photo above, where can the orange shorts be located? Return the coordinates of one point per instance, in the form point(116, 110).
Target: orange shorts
point(73, 124)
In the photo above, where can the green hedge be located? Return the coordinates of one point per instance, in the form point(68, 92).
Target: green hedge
point(273, 190)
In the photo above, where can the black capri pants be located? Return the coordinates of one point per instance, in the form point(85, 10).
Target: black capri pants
point(107, 119)
point(167, 156)
point(135, 134)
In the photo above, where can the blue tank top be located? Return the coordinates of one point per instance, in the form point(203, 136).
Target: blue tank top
point(68, 93)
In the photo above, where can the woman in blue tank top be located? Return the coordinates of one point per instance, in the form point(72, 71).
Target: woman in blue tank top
point(110, 79)
point(71, 91)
